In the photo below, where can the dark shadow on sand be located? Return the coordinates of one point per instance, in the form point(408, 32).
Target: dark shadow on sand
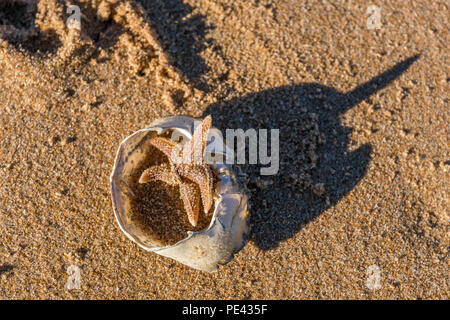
point(182, 36)
point(314, 151)
point(18, 29)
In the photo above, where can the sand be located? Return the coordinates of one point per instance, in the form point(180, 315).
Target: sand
point(359, 208)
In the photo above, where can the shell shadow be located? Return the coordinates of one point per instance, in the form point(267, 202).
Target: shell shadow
point(316, 167)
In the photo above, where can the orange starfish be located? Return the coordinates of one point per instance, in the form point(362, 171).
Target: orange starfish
point(189, 172)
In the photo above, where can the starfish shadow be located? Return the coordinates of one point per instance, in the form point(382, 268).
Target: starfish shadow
point(316, 167)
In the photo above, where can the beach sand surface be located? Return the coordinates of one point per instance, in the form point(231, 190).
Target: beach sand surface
point(359, 208)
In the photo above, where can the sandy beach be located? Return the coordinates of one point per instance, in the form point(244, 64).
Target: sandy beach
point(359, 91)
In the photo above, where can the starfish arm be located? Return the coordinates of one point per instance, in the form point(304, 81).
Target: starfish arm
point(193, 152)
point(166, 146)
point(201, 175)
point(191, 199)
point(161, 173)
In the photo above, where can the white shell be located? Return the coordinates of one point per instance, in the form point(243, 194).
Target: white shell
point(203, 250)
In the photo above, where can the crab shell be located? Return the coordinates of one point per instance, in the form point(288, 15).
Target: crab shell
point(204, 250)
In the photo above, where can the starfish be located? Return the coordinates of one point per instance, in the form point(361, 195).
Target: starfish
point(186, 169)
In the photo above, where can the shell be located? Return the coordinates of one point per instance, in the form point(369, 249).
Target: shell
point(228, 229)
